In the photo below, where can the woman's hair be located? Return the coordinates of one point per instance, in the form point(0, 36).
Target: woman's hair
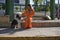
point(29, 5)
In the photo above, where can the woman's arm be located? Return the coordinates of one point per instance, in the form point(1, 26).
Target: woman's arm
point(32, 13)
point(24, 13)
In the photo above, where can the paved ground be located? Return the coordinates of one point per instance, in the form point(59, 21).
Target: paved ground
point(34, 32)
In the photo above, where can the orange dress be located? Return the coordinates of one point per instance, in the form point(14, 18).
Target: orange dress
point(28, 21)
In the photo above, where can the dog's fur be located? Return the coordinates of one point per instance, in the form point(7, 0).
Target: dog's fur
point(16, 22)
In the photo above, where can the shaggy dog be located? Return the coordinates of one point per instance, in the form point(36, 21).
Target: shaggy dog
point(16, 22)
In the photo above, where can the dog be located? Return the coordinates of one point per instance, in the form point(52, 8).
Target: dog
point(16, 23)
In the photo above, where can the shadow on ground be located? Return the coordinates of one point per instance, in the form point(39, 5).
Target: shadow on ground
point(11, 31)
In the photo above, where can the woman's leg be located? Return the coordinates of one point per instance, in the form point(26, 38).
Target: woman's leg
point(30, 24)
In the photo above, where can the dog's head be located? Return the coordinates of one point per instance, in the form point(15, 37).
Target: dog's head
point(17, 16)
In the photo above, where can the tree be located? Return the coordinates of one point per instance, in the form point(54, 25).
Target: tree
point(36, 2)
point(26, 3)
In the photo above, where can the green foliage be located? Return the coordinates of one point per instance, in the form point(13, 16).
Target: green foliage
point(3, 6)
point(42, 8)
point(48, 8)
point(17, 8)
point(39, 8)
point(37, 1)
point(40, 1)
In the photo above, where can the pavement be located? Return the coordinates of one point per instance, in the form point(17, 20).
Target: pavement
point(33, 32)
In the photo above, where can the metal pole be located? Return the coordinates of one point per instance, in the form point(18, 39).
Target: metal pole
point(52, 9)
point(58, 9)
point(45, 7)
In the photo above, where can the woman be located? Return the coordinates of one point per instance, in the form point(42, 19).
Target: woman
point(29, 13)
